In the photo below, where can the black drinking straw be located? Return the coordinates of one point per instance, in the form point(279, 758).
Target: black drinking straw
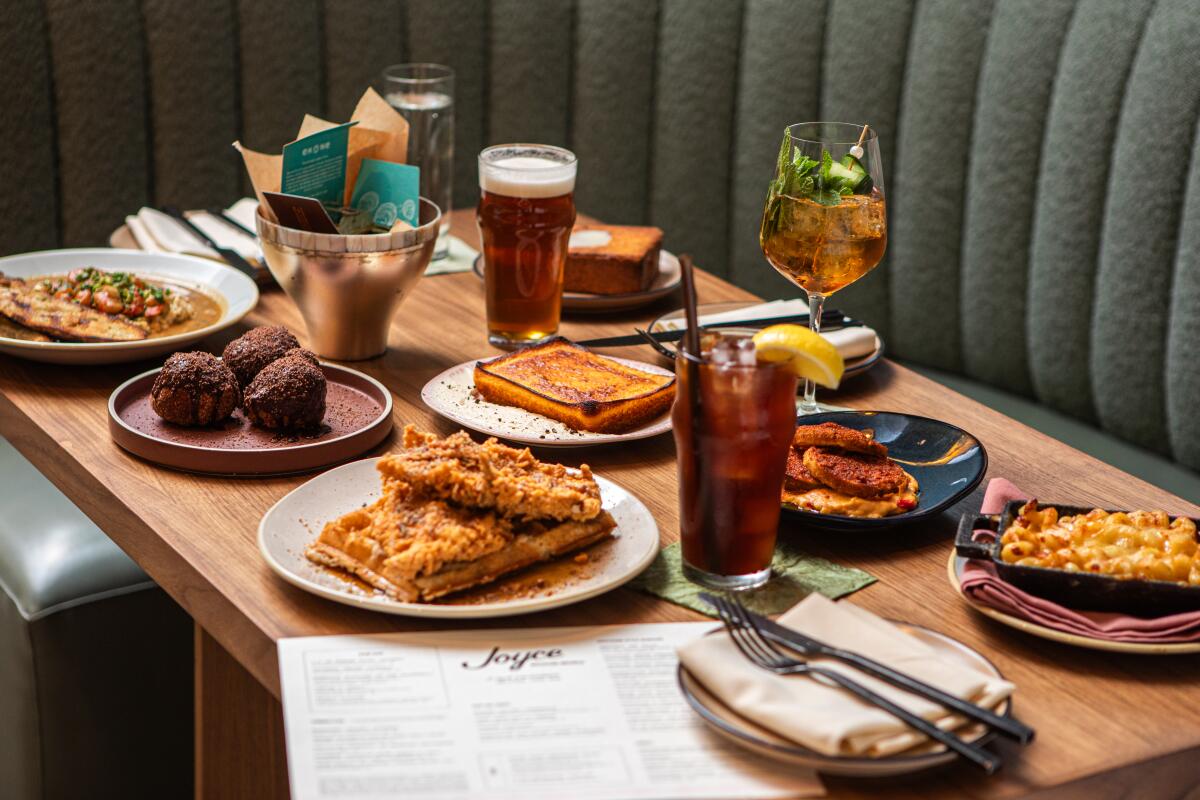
point(691, 349)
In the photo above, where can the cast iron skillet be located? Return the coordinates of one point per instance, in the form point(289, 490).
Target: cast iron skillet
point(1075, 590)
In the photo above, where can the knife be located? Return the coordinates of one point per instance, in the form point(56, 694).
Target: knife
point(230, 257)
point(806, 645)
point(831, 320)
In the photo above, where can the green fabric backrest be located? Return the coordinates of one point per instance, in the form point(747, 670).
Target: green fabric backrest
point(1041, 156)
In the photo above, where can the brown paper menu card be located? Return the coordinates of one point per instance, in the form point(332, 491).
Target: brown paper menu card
point(381, 133)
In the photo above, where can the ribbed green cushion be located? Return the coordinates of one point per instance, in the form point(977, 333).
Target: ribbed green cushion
point(1141, 228)
point(780, 84)
point(927, 202)
point(1018, 68)
point(1072, 186)
point(1040, 156)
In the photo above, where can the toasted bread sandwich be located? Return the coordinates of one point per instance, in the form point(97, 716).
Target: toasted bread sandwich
point(563, 381)
point(612, 259)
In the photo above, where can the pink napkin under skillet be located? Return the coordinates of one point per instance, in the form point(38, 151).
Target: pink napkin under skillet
point(981, 584)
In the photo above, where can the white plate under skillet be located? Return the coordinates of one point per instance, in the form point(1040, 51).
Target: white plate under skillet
point(954, 570)
point(296, 520)
point(234, 292)
point(749, 734)
point(452, 394)
point(669, 278)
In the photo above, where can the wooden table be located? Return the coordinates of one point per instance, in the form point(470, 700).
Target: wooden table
point(1108, 725)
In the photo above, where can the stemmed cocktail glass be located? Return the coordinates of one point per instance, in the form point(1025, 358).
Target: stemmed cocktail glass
point(825, 222)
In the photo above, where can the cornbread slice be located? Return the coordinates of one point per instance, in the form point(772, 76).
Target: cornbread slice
point(612, 259)
point(566, 382)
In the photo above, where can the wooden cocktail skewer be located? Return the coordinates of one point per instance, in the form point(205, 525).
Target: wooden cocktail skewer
point(857, 150)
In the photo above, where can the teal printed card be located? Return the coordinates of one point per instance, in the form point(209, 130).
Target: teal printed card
point(387, 191)
point(315, 166)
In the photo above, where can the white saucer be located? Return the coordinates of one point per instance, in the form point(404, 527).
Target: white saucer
point(452, 394)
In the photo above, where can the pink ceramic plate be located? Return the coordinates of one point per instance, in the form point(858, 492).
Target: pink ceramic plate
point(358, 416)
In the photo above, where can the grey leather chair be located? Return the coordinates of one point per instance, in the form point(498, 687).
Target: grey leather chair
point(95, 661)
point(1036, 259)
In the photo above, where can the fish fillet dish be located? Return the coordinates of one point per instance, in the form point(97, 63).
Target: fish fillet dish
point(455, 513)
point(832, 469)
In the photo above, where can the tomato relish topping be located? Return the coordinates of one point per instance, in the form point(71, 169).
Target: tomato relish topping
point(110, 292)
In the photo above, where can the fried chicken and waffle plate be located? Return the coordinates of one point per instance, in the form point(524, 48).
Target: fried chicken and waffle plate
point(874, 469)
point(450, 527)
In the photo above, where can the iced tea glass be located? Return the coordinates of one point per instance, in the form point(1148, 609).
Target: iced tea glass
point(825, 221)
point(732, 452)
point(525, 215)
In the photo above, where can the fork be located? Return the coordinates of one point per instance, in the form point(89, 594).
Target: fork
point(759, 651)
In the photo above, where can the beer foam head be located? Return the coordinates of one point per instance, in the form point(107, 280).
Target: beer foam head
point(521, 170)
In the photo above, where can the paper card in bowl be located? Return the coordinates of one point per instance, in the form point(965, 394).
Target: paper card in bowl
point(388, 192)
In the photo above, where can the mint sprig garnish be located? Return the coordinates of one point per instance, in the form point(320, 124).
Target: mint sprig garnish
point(798, 176)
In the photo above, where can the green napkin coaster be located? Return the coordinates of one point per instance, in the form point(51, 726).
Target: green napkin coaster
point(795, 575)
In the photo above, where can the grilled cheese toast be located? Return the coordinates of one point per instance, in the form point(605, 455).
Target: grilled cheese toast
point(569, 383)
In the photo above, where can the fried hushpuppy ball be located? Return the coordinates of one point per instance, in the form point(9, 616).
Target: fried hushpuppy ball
point(254, 349)
point(288, 394)
point(830, 434)
point(855, 474)
point(194, 389)
point(797, 478)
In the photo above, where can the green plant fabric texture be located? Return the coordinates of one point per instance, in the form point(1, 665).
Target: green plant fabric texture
point(796, 576)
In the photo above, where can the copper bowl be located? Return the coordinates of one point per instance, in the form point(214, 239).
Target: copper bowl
point(348, 288)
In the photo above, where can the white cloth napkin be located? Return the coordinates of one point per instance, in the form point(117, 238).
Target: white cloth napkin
point(155, 231)
point(850, 342)
point(831, 720)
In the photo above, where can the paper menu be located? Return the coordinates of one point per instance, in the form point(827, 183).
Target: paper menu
point(531, 714)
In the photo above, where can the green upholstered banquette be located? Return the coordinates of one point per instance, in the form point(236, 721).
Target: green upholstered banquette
point(1040, 155)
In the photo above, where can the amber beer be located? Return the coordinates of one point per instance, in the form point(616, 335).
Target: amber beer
point(525, 215)
point(731, 456)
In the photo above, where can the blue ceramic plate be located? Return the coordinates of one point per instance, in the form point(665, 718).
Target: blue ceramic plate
point(947, 462)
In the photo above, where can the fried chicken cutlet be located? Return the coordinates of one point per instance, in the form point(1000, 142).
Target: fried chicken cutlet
point(855, 474)
point(831, 434)
point(491, 475)
point(833, 469)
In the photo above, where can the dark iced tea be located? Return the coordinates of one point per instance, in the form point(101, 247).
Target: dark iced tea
point(732, 457)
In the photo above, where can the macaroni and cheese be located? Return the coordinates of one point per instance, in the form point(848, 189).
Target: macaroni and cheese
point(1139, 544)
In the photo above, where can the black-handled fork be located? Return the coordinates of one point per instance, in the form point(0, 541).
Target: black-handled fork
point(793, 639)
point(763, 654)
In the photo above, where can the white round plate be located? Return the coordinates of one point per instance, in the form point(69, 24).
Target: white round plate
point(854, 366)
point(235, 292)
point(452, 394)
point(749, 734)
point(954, 568)
point(296, 520)
point(669, 277)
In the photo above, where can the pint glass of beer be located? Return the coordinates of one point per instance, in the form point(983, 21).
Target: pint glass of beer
point(525, 215)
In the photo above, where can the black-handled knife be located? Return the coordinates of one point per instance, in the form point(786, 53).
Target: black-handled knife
point(230, 257)
point(794, 640)
point(831, 320)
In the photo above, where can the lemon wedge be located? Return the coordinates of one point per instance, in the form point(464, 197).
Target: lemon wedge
point(806, 353)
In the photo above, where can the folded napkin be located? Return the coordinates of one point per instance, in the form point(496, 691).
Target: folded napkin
point(158, 232)
point(828, 719)
point(850, 342)
point(460, 257)
point(980, 583)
